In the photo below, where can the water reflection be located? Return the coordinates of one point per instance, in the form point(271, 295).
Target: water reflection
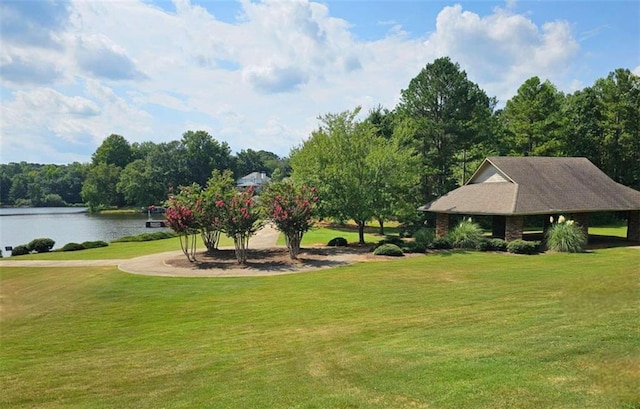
point(67, 224)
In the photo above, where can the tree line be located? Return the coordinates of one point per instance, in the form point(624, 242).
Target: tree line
point(125, 174)
point(380, 167)
point(392, 161)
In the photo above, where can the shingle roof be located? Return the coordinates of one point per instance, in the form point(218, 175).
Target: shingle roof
point(253, 179)
point(538, 185)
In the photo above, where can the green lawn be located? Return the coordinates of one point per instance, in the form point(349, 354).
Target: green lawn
point(322, 235)
point(452, 330)
point(129, 250)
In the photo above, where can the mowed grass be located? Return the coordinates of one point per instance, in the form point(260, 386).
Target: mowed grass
point(315, 236)
point(448, 330)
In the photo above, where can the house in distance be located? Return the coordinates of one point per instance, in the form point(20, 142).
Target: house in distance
point(255, 179)
point(509, 188)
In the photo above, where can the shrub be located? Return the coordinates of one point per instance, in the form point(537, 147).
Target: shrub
point(483, 245)
point(523, 247)
point(20, 250)
point(492, 245)
point(53, 200)
point(337, 242)
point(72, 247)
point(392, 240)
point(413, 247)
point(497, 245)
point(565, 236)
point(388, 250)
point(424, 236)
point(146, 237)
point(466, 235)
point(94, 244)
point(440, 243)
point(41, 245)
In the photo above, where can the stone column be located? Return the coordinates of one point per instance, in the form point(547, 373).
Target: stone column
point(583, 220)
point(513, 229)
point(498, 225)
point(442, 224)
point(633, 226)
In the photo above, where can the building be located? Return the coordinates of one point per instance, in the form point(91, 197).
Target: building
point(509, 188)
point(255, 179)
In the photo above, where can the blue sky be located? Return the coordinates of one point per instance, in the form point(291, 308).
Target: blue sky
point(257, 74)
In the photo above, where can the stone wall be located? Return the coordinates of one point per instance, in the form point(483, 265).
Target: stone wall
point(633, 226)
point(513, 230)
point(442, 224)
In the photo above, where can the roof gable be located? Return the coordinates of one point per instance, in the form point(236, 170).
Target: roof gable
point(487, 172)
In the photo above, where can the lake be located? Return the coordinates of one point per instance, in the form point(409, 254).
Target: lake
point(67, 224)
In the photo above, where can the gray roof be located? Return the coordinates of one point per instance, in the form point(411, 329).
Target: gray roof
point(253, 179)
point(536, 185)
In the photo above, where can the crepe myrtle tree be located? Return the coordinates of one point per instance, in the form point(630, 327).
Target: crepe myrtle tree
point(291, 209)
point(240, 218)
point(221, 186)
point(181, 218)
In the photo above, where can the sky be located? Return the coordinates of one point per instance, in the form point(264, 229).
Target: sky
point(258, 74)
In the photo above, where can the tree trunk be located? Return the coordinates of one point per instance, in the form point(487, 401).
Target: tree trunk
point(361, 224)
point(381, 222)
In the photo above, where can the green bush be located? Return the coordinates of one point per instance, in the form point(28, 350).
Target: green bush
point(20, 250)
point(41, 245)
point(566, 236)
point(94, 244)
point(440, 243)
point(337, 242)
point(388, 250)
point(53, 200)
point(413, 247)
point(392, 240)
point(424, 236)
point(146, 237)
point(483, 245)
point(72, 247)
point(523, 247)
point(497, 245)
point(466, 235)
point(492, 245)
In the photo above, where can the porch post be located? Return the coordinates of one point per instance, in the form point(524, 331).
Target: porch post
point(498, 226)
point(513, 229)
point(633, 226)
point(583, 220)
point(442, 224)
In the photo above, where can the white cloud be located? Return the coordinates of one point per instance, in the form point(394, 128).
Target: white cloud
point(260, 82)
point(636, 70)
point(100, 57)
point(503, 50)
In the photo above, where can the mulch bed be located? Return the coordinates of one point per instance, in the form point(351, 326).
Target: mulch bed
point(274, 258)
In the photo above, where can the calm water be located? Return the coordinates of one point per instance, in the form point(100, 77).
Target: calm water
point(66, 224)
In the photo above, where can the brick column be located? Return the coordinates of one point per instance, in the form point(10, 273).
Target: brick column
point(498, 226)
point(442, 224)
point(513, 229)
point(633, 226)
point(583, 220)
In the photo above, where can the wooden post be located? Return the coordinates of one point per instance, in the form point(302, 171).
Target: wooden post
point(633, 226)
point(498, 226)
point(513, 229)
point(442, 224)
